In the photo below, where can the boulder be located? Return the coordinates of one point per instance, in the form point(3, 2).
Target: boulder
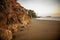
point(5, 34)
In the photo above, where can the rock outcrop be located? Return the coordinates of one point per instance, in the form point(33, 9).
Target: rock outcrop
point(5, 34)
point(12, 16)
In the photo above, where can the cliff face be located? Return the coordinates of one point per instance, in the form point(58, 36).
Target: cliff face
point(13, 15)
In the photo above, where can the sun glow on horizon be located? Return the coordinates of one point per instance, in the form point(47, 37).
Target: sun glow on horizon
point(45, 11)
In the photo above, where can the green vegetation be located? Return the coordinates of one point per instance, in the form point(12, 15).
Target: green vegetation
point(32, 13)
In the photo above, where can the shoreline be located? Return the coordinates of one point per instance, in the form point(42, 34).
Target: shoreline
point(52, 19)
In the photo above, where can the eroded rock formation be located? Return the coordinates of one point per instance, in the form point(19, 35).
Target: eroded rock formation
point(5, 34)
point(12, 16)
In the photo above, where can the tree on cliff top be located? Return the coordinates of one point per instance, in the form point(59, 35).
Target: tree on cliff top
point(32, 13)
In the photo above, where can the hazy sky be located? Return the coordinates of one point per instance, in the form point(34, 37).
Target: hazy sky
point(41, 7)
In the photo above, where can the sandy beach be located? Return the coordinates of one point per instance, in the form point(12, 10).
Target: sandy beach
point(40, 30)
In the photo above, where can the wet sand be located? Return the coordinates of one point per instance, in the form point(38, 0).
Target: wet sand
point(40, 30)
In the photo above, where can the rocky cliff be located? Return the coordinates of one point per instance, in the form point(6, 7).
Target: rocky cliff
point(12, 16)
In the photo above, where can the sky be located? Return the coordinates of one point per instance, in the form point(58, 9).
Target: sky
point(42, 7)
